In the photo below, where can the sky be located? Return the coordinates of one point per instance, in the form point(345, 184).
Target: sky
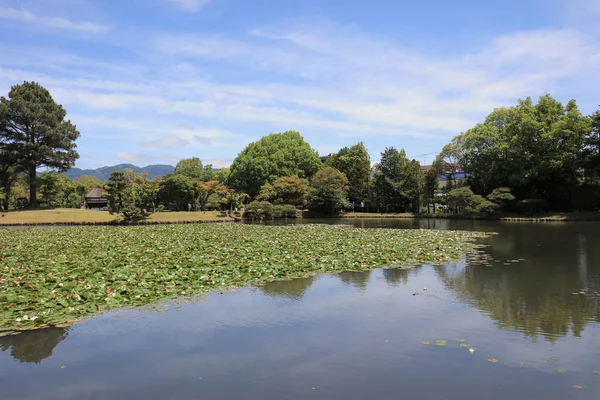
point(155, 81)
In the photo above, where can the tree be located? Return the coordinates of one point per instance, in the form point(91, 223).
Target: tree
point(177, 191)
point(193, 168)
point(592, 148)
point(463, 200)
point(222, 175)
point(118, 192)
point(398, 182)
point(230, 198)
point(328, 192)
point(207, 189)
point(535, 149)
point(431, 183)
point(33, 127)
point(355, 163)
point(501, 196)
point(8, 177)
point(131, 194)
point(285, 190)
point(273, 156)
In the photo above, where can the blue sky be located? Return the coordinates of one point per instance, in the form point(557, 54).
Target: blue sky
point(154, 81)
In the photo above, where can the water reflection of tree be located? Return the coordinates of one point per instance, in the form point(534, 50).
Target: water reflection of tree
point(536, 295)
point(395, 276)
point(357, 279)
point(34, 346)
point(292, 289)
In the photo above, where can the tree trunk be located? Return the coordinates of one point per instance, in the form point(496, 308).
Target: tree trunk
point(32, 187)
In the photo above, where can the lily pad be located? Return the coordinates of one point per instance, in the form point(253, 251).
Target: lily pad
point(441, 343)
point(52, 276)
point(460, 340)
point(577, 387)
point(465, 345)
point(425, 342)
point(553, 359)
point(492, 360)
point(561, 370)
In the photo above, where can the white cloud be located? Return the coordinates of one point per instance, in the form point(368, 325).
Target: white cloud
point(51, 22)
point(166, 142)
point(214, 94)
point(190, 5)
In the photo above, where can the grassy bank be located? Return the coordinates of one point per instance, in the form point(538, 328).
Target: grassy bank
point(51, 276)
point(539, 217)
point(79, 216)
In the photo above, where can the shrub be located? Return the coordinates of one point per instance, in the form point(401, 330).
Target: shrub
point(160, 208)
point(259, 210)
point(284, 211)
point(501, 196)
point(533, 205)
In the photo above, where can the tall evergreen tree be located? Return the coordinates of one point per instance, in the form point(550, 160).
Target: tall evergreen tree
point(33, 127)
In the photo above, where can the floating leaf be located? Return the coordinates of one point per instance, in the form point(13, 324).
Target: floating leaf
point(465, 345)
point(57, 275)
point(553, 359)
point(441, 343)
point(577, 387)
point(561, 370)
point(460, 340)
point(492, 360)
point(425, 342)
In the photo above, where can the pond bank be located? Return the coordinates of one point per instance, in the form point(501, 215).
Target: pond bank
point(548, 217)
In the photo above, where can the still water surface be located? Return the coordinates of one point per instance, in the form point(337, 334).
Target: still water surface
point(350, 336)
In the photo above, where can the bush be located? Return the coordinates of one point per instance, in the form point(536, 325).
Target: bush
point(501, 196)
point(533, 205)
point(160, 208)
point(284, 211)
point(259, 210)
point(21, 203)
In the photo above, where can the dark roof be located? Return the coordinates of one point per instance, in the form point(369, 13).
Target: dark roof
point(95, 192)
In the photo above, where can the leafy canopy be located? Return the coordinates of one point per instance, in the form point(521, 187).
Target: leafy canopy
point(273, 156)
point(328, 192)
point(355, 163)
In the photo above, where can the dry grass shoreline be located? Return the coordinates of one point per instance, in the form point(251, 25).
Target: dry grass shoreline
point(61, 216)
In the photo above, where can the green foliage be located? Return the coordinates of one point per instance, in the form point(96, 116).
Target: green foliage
point(430, 183)
point(273, 156)
point(285, 190)
point(398, 182)
point(463, 201)
point(51, 276)
point(34, 129)
point(193, 168)
point(328, 193)
point(355, 163)
point(535, 149)
point(257, 210)
point(501, 196)
point(9, 174)
point(592, 149)
point(284, 211)
point(222, 175)
point(131, 195)
point(177, 191)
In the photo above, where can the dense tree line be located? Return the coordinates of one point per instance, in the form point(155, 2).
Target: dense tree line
point(529, 157)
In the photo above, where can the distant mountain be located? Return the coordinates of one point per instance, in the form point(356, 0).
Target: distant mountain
point(103, 173)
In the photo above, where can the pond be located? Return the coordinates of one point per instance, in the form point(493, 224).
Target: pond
point(531, 317)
